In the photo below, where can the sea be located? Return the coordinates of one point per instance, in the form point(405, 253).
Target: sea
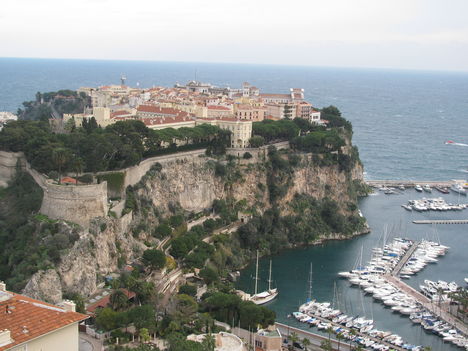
point(401, 121)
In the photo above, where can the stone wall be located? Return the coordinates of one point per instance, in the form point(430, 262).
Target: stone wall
point(8, 161)
point(75, 203)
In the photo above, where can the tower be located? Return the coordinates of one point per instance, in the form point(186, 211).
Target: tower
point(123, 79)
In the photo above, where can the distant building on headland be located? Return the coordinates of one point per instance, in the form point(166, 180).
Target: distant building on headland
point(193, 104)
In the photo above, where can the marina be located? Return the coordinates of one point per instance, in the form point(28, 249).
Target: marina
point(291, 268)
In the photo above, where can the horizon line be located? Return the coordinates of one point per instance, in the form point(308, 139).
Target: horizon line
point(243, 64)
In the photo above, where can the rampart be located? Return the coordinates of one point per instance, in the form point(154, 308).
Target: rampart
point(8, 161)
point(74, 203)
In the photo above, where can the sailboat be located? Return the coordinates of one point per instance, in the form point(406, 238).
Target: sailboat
point(264, 296)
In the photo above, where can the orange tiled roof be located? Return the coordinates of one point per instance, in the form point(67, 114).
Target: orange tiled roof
point(69, 180)
point(105, 301)
point(28, 319)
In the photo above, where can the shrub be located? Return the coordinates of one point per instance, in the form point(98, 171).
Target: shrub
point(247, 155)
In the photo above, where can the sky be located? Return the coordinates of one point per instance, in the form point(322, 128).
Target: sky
point(407, 34)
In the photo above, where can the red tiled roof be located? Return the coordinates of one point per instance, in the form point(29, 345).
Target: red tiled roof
point(218, 107)
point(102, 303)
point(161, 110)
point(119, 113)
point(27, 319)
point(69, 180)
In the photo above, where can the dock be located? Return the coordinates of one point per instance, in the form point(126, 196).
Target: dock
point(441, 311)
point(405, 258)
point(441, 221)
point(412, 183)
point(315, 339)
point(320, 338)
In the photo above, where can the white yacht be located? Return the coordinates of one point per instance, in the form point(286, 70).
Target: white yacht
point(264, 296)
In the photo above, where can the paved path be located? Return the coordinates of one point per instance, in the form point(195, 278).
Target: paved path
point(88, 343)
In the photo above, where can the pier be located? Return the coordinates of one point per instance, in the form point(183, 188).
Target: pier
point(441, 221)
point(405, 258)
point(412, 183)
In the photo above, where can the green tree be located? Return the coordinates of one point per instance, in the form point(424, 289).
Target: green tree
point(154, 258)
point(118, 300)
point(60, 158)
point(209, 275)
point(294, 339)
point(106, 319)
point(257, 141)
point(144, 334)
point(326, 345)
point(306, 343)
point(209, 342)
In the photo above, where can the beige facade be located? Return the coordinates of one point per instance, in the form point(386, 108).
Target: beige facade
point(66, 338)
point(249, 112)
point(281, 111)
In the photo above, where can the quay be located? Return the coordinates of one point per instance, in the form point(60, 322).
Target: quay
point(405, 258)
point(441, 311)
point(412, 183)
point(441, 221)
point(315, 339)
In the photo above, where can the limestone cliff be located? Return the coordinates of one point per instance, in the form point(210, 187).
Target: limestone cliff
point(190, 184)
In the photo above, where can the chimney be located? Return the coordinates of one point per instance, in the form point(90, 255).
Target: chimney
point(5, 337)
point(69, 306)
point(2, 286)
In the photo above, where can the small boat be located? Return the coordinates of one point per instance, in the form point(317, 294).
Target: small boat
point(466, 280)
point(418, 188)
point(442, 190)
point(427, 188)
point(458, 189)
point(401, 187)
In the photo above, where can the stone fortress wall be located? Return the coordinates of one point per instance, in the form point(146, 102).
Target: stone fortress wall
point(81, 203)
point(74, 203)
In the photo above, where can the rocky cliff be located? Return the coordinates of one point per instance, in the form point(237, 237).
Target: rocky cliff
point(190, 185)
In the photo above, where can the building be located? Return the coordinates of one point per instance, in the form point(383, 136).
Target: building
point(264, 340)
point(31, 325)
point(249, 112)
point(153, 111)
point(280, 111)
point(223, 341)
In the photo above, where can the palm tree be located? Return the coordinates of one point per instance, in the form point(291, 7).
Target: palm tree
point(329, 331)
point(294, 338)
point(339, 337)
point(118, 300)
point(353, 333)
point(209, 342)
point(77, 165)
point(306, 342)
point(60, 158)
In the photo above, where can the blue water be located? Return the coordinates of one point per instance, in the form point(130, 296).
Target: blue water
point(401, 118)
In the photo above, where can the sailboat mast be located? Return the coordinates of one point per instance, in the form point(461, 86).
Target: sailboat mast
point(269, 279)
point(310, 283)
point(256, 275)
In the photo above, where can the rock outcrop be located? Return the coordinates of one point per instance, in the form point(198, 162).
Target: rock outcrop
point(192, 184)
